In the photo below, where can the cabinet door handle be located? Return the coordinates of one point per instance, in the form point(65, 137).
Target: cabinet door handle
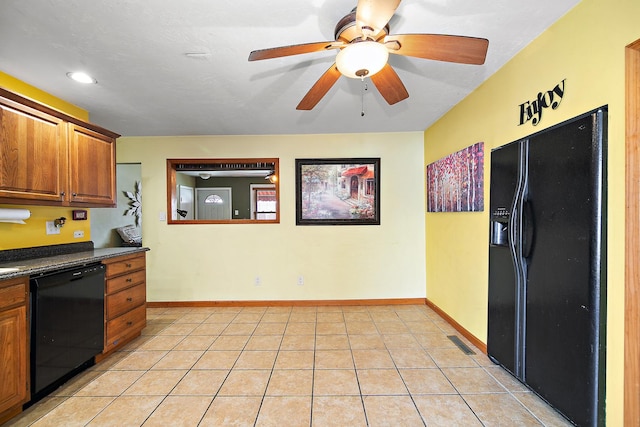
point(128, 265)
point(74, 194)
point(62, 194)
point(129, 299)
point(128, 280)
point(129, 323)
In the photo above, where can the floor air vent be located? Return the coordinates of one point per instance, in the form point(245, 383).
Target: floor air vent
point(462, 346)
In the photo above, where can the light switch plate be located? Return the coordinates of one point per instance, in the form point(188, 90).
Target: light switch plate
point(52, 229)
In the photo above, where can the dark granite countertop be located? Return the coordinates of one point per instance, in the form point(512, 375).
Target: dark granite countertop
point(45, 264)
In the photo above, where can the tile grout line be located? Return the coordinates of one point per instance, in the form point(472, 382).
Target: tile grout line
point(355, 369)
point(204, 413)
point(226, 376)
point(178, 382)
point(313, 367)
point(236, 361)
point(424, 422)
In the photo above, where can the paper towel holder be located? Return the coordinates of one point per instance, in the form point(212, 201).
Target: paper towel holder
point(16, 216)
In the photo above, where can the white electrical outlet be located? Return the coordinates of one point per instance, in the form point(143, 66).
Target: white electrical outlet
point(78, 234)
point(51, 228)
point(300, 280)
point(258, 281)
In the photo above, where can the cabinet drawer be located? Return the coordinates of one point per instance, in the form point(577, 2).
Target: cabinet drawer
point(123, 265)
point(13, 292)
point(121, 282)
point(130, 323)
point(125, 300)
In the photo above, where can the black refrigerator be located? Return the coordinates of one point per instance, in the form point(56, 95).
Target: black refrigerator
point(547, 264)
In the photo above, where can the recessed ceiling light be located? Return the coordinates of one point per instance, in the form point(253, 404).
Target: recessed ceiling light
point(198, 55)
point(81, 77)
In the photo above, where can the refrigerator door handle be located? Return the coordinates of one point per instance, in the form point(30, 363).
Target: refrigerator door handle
point(528, 225)
point(519, 264)
point(515, 248)
point(513, 234)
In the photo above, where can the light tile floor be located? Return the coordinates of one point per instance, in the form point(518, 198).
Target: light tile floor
point(293, 366)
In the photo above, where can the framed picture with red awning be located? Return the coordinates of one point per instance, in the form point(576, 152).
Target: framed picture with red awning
point(338, 191)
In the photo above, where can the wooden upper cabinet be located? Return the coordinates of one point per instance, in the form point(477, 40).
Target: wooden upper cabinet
point(49, 158)
point(92, 162)
point(33, 153)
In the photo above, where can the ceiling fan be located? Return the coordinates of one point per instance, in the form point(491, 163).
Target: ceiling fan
point(364, 44)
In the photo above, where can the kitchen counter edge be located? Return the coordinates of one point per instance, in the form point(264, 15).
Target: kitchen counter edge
point(31, 267)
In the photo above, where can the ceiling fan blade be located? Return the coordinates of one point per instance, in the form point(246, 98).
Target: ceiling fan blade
point(319, 89)
point(389, 85)
point(373, 15)
point(296, 49)
point(440, 47)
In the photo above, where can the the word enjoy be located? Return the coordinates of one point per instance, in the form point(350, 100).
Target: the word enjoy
point(532, 110)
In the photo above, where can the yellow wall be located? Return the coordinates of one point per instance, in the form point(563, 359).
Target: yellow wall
point(33, 233)
point(17, 86)
point(221, 261)
point(13, 236)
point(587, 48)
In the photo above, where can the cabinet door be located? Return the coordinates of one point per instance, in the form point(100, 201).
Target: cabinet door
point(33, 156)
point(13, 353)
point(92, 160)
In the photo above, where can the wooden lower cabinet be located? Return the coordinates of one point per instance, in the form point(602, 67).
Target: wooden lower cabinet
point(14, 385)
point(125, 299)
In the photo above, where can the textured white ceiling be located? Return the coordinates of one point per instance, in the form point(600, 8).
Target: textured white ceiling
point(148, 86)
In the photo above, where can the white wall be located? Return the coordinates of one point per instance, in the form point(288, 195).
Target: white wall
point(220, 261)
point(104, 221)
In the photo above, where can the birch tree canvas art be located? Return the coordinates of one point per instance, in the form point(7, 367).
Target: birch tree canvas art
point(455, 183)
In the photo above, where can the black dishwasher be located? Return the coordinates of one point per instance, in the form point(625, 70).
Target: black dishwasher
point(67, 325)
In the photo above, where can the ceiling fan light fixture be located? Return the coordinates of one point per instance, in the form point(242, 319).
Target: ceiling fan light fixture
point(362, 59)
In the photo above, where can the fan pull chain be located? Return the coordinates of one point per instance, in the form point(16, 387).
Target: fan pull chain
point(364, 89)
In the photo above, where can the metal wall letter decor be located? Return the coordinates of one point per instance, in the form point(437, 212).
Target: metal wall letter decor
point(532, 110)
